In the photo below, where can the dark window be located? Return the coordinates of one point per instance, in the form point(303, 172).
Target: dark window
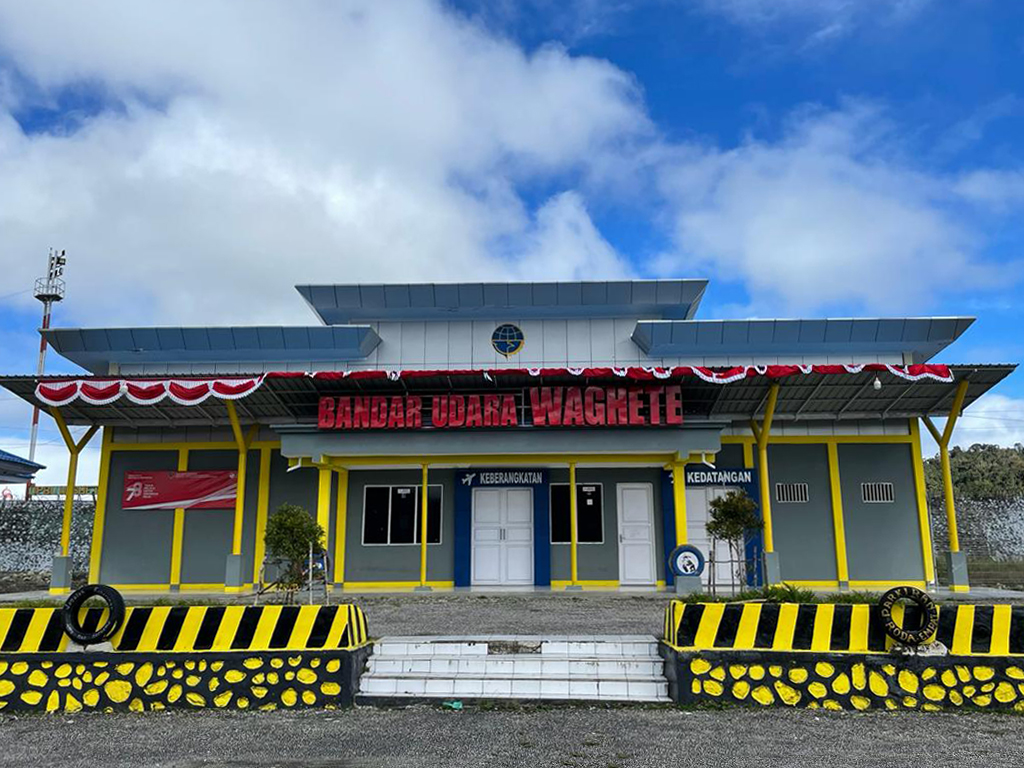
point(403, 514)
point(433, 514)
point(589, 514)
point(375, 515)
point(391, 514)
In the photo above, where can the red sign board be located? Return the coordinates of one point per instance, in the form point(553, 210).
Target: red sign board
point(534, 407)
point(215, 489)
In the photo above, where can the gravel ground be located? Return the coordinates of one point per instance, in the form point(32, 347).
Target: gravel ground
point(476, 613)
point(529, 737)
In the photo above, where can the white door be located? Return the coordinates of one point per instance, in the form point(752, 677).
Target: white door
point(502, 536)
point(636, 533)
point(698, 502)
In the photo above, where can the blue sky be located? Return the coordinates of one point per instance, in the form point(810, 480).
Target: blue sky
point(811, 157)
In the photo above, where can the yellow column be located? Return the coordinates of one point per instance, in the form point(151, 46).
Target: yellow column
point(679, 497)
point(74, 449)
point(573, 531)
point(340, 522)
point(262, 510)
point(947, 474)
point(923, 523)
point(761, 435)
point(99, 516)
point(323, 500)
point(243, 442)
point(178, 536)
point(423, 529)
point(838, 523)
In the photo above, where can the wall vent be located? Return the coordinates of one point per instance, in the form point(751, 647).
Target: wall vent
point(877, 493)
point(791, 493)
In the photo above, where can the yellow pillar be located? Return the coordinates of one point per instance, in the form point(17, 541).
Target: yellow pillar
point(323, 500)
point(679, 497)
point(958, 564)
point(923, 523)
point(423, 528)
point(74, 449)
point(340, 522)
point(243, 442)
point(573, 530)
point(178, 534)
point(761, 435)
point(947, 474)
point(838, 522)
point(99, 516)
point(262, 510)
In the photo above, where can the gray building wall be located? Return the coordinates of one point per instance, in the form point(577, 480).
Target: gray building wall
point(576, 342)
point(398, 562)
point(136, 544)
point(600, 562)
point(883, 541)
point(206, 542)
point(804, 534)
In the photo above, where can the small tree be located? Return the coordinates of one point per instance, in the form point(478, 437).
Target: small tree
point(729, 519)
point(290, 533)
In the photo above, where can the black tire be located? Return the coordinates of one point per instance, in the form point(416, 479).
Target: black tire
point(69, 614)
point(929, 615)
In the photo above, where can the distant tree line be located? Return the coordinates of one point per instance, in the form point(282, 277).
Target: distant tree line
point(980, 472)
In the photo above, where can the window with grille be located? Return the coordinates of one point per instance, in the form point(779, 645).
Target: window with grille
point(877, 493)
point(791, 493)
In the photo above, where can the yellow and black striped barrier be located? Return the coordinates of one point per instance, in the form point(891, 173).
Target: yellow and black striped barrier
point(195, 628)
point(966, 630)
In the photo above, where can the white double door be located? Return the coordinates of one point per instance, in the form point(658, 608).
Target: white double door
point(636, 533)
point(502, 536)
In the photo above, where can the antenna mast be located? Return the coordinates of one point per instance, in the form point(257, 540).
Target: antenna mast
point(48, 290)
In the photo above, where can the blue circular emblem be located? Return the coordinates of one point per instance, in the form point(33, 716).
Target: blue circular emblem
point(686, 560)
point(507, 339)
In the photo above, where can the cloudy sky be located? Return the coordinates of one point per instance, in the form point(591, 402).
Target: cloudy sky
point(811, 157)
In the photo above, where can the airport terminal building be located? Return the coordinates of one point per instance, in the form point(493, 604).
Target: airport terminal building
point(521, 435)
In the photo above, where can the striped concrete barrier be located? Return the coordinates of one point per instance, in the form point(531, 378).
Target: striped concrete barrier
point(966, 630)
point(196, 628)
point(237, 657)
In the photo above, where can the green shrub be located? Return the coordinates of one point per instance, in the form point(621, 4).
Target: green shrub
point(851, 598)
point(290, 533)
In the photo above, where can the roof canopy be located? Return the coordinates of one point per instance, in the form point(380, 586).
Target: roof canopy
point(14, 469)
point(341, 304)
point(719, 395)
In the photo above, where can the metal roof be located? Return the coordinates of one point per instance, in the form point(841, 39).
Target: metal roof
point(96, 348)
point(919, 337)
point(14, 469)
point(809, 397)
point(340, 304)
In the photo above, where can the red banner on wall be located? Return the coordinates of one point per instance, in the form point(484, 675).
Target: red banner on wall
point(214, 489)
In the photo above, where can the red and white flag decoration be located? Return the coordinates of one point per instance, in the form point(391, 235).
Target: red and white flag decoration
point(195, 391)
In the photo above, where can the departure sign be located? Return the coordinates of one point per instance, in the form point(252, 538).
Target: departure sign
point(659, 406)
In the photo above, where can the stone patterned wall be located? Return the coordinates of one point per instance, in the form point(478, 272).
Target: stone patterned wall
point(30, 535)
point(849, 681)
point(146, 682)
point(991, 529)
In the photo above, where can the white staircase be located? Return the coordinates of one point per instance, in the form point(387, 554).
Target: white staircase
point(597, 668)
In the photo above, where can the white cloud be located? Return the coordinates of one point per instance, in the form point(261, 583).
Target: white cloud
point(826, 19)
point(831, 214)
point(993, 420)
point(307, 142)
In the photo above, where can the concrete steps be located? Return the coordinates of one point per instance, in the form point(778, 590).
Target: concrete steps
point(613, 668)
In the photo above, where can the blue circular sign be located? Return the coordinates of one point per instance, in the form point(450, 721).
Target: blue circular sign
point(507, 339)
point(686, 560)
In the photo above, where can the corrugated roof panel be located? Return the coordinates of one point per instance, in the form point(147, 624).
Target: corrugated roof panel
point(570, 294)
point(270, 337)
point(495, 294)
point(246, 338)
point(94, 339)
point(471, 295)
point(195, 338)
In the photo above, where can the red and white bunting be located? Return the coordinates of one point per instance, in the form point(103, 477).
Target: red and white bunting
point(195, 391)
